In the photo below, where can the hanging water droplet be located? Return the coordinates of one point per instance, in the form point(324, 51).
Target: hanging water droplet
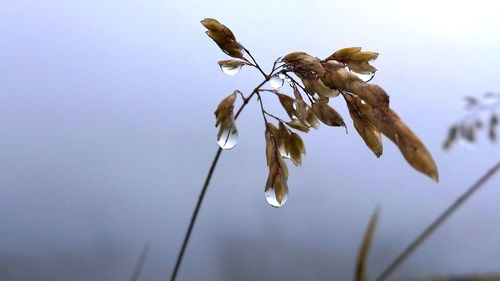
point(364, 77)
point(230, 70)
point(281, 75)
point(228, 138)
point(272, 198)
point(289, 80)
point(276, 82)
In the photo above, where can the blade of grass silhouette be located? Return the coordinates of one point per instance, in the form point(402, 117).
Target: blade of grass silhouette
point(436, 223)
point(207, 182)
point(140, 263)
point(360, 272)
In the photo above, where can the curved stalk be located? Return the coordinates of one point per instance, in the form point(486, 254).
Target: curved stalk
point(437, 222)
point(211, 170)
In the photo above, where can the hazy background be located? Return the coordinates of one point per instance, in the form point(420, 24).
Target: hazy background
point(107, 131)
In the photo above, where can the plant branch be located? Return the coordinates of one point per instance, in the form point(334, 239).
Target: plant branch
point(255, 62)
point(262, 109)
point(209, 177)
point(436, 223)
point(274, 117)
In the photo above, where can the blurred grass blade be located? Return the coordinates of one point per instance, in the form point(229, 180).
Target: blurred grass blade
point(360, 273)
point(140, 263)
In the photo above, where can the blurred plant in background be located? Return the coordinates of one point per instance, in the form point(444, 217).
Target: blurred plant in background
point(481, 116)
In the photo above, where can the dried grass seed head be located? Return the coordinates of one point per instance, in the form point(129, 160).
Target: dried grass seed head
point(223, 36)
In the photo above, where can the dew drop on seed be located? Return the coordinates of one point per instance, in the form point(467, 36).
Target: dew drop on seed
point(231, 71)
point(272, 199)
point(228, 139)
point(364, 77)
point(276, 82)
point(281, 75)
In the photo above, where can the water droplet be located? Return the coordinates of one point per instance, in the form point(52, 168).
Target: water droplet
point(364, 77)
point(276, 82)
point(281, 75)
point(231, 71)
point(228, 138)
point(289, 80)
point(272, 199)
point(363, 102)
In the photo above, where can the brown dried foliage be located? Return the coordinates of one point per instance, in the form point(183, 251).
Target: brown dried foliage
point(368, 105)
point(278, 171)
point(224, 117)
point(223, 36)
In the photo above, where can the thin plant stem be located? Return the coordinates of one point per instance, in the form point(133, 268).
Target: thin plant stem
point(255, 62)
point(195, 214)
point(210, 174)
point(438, 222)
point(140, 263)
point(262, 109)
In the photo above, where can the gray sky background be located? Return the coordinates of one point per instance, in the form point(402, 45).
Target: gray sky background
point(106, 134)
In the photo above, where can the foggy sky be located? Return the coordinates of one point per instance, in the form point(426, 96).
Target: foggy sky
point(107, 131)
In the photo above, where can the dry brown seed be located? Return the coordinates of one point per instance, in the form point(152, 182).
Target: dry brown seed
point(361, 67)
point(275, 132)
point(333, 65)
point(228, 130)
point(363, 56)
point(338, 78)
point(285, 139)
point(231, 64)
point(298, 125)
point(211, 24)
point(287, 103)
point(294, 56)
point(327, 114)
point(408, 143)
point(312, 119)
point(317, 86)
point(223, 36)
point(303, 64)
point(225, 108)
point(301, 110)
point(283, 169)
point(269, 147)
point(273, 173)
point(280, 188)
point(365, 123)
point(280, 137)
point(344, 53)
point(297, 148)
